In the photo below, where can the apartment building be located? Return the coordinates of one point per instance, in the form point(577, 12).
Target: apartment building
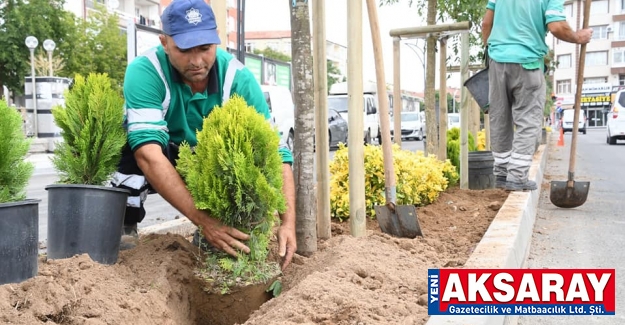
point(604, 71)
point(144, 12)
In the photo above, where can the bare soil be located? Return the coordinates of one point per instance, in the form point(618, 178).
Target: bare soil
point(376, 279)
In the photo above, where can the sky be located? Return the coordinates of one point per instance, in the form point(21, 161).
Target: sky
point(271, 15)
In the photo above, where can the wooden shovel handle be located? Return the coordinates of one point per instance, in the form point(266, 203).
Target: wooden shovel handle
point(578, 96)
point(387, 149)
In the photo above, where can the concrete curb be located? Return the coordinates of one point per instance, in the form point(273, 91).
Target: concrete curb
point(506, 243)
point(181, 226)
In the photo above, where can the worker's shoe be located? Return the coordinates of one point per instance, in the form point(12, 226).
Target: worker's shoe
point(501, 182)
point(130, 237)
point(521, 186)
point(202, 243)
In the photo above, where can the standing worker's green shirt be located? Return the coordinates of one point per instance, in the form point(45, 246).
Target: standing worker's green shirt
point(520, 28)
point(161, 108)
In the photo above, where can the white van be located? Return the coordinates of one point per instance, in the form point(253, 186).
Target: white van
point(568, 116)
point(337, 100)
point(282, 110)
point(411, 126)
point(616, 119)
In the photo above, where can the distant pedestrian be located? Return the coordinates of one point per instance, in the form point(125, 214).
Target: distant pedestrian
point(515, 32)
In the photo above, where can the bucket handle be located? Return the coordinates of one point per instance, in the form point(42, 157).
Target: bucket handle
point(486, 57)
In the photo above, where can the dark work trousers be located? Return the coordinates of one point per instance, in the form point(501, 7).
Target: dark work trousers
point(129, 176)
point(517, 99)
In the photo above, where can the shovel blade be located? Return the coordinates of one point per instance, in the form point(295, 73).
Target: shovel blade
point(567, 197)
point(401, 223)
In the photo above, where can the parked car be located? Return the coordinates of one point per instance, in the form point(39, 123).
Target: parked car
point(616, 119)
point(567, 120)
point(337, 129)
point(411, 126)
point(282, 110)
point(453, 120)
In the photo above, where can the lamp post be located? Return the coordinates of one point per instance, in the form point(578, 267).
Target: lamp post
point(49, 46)
point(454, 100)
point(420, 55)
point(31, 43)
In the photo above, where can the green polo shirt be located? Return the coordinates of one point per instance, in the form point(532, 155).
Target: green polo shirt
point(520, 28)
point(161, 108)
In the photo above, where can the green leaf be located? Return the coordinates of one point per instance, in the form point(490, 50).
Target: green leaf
point(275, 288)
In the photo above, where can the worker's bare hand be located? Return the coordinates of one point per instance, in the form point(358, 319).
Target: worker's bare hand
point(222, 237)
point(287, 244)
point(584, 35)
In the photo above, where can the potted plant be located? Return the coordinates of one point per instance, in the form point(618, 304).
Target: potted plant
point(19, 218)
point(235, 174)
point(84, 215)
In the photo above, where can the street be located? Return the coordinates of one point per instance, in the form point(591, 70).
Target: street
point(589, 236)
point(157, 209)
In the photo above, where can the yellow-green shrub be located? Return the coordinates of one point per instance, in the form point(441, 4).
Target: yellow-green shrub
point(481, 140)
point(453, 146)
point(419, 179)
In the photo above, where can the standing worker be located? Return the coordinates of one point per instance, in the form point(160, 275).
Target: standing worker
point(515, 32)
point(168, 92)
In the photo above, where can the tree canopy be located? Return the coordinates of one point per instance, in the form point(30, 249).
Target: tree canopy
point(459, 10)
point(334, 73)
point(93, 45)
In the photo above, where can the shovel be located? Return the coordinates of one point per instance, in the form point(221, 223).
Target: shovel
point(571, 194)
point(395, 220)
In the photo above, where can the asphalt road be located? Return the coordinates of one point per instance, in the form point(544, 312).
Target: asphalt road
point(590, 236)
point(157, 209)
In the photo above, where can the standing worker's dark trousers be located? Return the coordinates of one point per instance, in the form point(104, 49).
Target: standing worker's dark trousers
point(517, 99)
point(129, 176)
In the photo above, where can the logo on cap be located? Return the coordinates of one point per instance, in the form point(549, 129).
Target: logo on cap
point(193, 16)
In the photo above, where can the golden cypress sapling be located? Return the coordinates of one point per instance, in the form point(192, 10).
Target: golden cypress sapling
point(235, 174)
point(14, 170)
point(91, 127)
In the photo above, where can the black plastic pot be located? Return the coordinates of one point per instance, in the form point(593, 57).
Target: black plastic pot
point(481, 175)
point(85, 219)
point(19, 240)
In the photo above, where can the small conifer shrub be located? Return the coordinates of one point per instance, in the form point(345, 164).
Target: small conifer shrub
point(14, 170)
point(235, 174)
point(92, 131)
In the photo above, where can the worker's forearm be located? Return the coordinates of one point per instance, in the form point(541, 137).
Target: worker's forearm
point(487, 25)
point(486, 29)
point(288, 188)
point(562, 31)
point(165, 180)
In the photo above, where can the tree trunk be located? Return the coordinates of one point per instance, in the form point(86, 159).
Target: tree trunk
point(306, 203)
point(430, 112)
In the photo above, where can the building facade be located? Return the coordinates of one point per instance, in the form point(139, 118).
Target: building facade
point(604, 70)
point(144, 12)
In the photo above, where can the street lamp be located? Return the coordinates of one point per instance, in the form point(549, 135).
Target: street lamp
point(31, 43)
point(454, 102)
point(420, 55)
point(49, 46)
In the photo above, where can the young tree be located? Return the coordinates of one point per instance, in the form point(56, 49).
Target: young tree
point(306, 206)
point(334, 74)
point(21, 18)
point(459, 10)
point(270, 53)
point(100, 47)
